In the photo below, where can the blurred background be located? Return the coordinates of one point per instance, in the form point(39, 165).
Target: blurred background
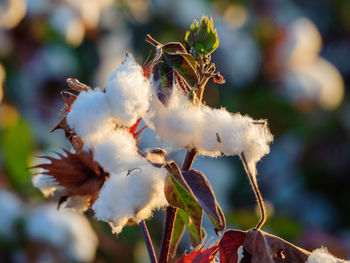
point(287, 61)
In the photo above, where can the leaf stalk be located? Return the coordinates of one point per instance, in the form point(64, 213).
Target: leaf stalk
point(148, 241)
point(256, 191)
point(170, 213)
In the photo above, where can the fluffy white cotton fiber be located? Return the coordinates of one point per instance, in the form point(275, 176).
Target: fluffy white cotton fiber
point(128, 92)
point(131, 194)
point(211, 131)
point(117, 151)
point(90, 116)
point(321, 255)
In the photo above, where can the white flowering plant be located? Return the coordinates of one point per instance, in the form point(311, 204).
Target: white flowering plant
point(106, 171)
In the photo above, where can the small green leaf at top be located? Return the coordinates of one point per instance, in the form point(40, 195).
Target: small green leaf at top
point(202, 37)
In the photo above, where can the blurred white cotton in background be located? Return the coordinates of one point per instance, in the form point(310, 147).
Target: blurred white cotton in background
point(239, 54)
point(69, 231)
point(320, 82)
point(11, 210)
point(302, 44)
point(90, 10)
point(111, 49)
point(11, 13)
point(235, 15)
point(66, 21)
point(71, 18)
point(306, 77)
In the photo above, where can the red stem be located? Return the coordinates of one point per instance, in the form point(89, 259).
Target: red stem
point(170, 213)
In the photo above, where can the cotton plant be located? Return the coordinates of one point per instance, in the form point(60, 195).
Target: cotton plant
point(106, 172)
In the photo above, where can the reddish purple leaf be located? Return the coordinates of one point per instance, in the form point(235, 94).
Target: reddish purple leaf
point(229, 244)
point(262, 247)
point(204, 194)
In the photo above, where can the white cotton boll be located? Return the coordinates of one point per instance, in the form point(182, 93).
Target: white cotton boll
point(90, 116)
point(69, 231)
point(117, 151)
point(11, 209)
point(211, 131)
point(321, 255)
point(258, 139)
point(216, 126)
point(134, 195)
point(128, 92)
point(232, 134)
point(176, 123)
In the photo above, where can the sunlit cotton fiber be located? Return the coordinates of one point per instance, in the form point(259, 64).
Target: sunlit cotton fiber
point(117, 151)
point(90, 116)
point(211, 131)
point(321, 255)
point(131, 194)
point(128, 92)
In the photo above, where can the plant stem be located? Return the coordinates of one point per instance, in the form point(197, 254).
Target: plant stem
point(169, 221)
point(170, 213)
point(201, 88)
point(190, 156)
point(256, 190)
point(148, 241)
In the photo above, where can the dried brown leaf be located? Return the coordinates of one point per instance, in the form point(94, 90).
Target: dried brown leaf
point(77, 172)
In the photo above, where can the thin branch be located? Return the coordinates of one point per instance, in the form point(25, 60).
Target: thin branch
point(167, 233)
point(148, 241)
point(256, 190)
point(170, 213)
point(189, 159)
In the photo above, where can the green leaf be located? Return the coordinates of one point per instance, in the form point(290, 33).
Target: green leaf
point(184, 64)
point(178, 194)
point(17, 145)
point(181, 220)
point(204, 194)
point(174, 48)
point(202, 37)
point(173, 63)
point(163, 77)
